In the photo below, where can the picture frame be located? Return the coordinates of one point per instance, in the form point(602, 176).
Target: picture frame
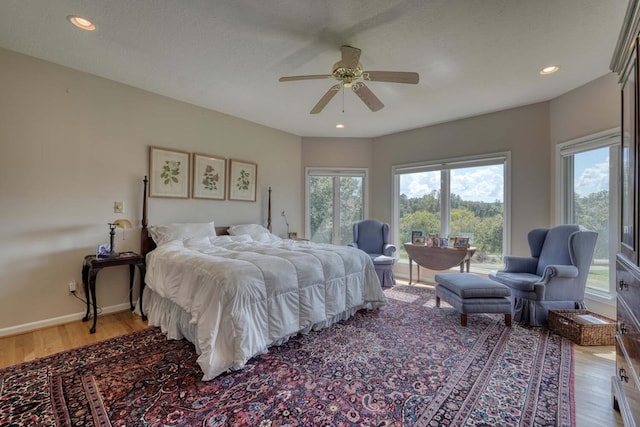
point(243, 179)
point(103, 250)
point(209, 180)
point(461, 242)
point(168, 173)
point(415, 234)
point(418, 240)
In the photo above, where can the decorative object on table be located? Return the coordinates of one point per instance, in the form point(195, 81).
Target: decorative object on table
point(103, 250)
point(118, 223)
point(444, 242)
point(415, 234)
point(461, 242)
point(433, 240)
point(209, 177)
point(418, 240)
point(168, 173)
point(242, 180)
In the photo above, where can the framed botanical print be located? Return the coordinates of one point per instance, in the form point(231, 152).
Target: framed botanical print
point(168, 173)
point(209, 177)
point(242, 180)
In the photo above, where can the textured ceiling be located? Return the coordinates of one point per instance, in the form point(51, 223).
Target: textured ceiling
point(473, 56)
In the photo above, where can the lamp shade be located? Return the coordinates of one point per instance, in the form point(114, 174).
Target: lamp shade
point(122, 223)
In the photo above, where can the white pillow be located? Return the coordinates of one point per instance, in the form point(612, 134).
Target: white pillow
point(267, 238)
point(253, 230)
point(168, 232)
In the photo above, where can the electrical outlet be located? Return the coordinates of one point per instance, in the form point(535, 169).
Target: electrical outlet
point(118, 207)
point(72, 287)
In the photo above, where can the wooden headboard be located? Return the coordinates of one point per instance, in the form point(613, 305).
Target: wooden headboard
point(146, 242)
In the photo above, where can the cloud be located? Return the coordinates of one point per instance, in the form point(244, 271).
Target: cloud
point(593, 179)
point(483, 183)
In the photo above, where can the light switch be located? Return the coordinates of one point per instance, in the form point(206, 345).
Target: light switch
point(118, 207)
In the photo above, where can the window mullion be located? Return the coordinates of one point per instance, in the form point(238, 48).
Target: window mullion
point(445, 202)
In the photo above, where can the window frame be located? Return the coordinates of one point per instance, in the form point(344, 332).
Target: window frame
point(335, 173)
point(503, 157)
point(608, 138)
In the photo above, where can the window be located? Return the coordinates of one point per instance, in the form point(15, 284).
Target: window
point(336, 198)
point(464, 197)
point(589, 191)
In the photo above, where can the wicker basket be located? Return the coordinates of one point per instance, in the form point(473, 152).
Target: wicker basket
point(569, 324)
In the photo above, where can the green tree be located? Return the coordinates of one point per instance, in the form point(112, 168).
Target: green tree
point(592, 212)
point(427, 222)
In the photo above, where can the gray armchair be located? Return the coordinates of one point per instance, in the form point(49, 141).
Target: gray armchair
point(372, 236)
point(554, 277)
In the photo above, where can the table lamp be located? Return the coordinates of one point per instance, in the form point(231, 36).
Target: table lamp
point(118, 223)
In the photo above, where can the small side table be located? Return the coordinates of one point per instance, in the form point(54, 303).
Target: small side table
point(90, 268)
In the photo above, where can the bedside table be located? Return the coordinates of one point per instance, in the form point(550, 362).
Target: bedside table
point(90, 268)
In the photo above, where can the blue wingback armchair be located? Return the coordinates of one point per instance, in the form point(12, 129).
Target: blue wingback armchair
point(372, 236)
point(554, 277)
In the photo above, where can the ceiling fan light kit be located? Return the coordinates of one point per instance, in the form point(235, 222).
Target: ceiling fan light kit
point(350, 73)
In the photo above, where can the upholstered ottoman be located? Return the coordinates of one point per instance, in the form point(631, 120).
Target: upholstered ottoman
point(470, 293)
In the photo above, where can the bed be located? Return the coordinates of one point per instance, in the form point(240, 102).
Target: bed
point(236, 291)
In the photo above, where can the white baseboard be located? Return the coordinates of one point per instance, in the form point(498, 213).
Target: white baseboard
point(28, 327)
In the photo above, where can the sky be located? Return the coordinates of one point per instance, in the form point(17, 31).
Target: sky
point(485, 183)
point(592, 171)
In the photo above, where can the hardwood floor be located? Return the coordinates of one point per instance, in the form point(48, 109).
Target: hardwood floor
point(594, 366)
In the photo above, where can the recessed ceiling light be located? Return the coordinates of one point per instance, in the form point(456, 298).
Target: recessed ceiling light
point(549, 70)
point(82, 23)
point(340, 126)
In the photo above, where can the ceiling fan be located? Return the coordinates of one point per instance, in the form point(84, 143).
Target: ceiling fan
point(348, 71)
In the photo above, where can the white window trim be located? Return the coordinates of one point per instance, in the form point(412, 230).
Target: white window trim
point(607, 138)
point(454, 163)
point(329, 171)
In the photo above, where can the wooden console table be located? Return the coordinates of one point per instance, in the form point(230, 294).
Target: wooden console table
point(437, 258)
point(90, 268)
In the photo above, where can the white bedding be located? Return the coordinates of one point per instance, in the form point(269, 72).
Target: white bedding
point(233, 296)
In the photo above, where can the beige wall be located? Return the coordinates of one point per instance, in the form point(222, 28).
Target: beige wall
point(589, 109)
point(338, 153)
point(523, 131)
point(72, 144)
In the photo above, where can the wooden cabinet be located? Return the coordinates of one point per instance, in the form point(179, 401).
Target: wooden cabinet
point(625, 382)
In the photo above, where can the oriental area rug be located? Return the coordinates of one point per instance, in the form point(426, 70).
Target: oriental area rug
point(407, 364)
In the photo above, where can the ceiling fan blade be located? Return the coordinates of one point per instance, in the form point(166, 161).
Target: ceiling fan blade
point(309, 77)
point(367, 96)
point(350, 56)
point(391, 76)
point(326, 98)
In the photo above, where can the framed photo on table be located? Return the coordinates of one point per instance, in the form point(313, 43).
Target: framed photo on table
point(418, 240)
point(209, 177)
point(461, 242)
point(242, 180)
point(168, 173)
point(415, 234)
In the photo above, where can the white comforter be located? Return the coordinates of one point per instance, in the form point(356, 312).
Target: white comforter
point(242, 296)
